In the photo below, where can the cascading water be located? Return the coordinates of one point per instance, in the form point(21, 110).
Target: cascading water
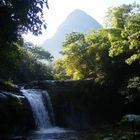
point(40, 112)
point(49, 106)
point(43, 115)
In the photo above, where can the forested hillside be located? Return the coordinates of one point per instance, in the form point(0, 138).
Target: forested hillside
point(110, 55)
point(20, 61)
point(93, 87)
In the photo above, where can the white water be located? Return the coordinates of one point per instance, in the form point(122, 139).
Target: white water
point(53, 130)
point(40, 113)
point(49, 105)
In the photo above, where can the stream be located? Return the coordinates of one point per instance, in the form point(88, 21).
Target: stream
point(54, 133)
point(43, 116)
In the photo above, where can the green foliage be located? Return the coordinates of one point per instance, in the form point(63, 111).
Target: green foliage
point(134, 83)
point(59, 70)
point(21, 64)
point(19, 17)
point(117, 17)
point(87, 56)
point(9, 60)
point(37, 52)
point(110, 56)
point(125, 48)
point(97, 52)
point(74, 61)
point(131, 89)
point(30, 67)
point(126, 41)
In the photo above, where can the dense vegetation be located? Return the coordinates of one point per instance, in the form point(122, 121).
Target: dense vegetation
point(110, 56)
point(20, 61)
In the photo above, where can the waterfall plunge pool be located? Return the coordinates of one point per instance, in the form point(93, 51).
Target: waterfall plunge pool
point(43, 115)
point(53, 133)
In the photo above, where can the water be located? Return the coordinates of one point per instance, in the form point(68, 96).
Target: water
point(40, 113)
point(49, 107)
point(57, 133)
point(54, 133)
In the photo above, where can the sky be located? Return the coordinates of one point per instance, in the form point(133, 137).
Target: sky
point(60, 9)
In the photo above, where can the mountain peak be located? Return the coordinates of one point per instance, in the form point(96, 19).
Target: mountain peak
point(76, 21)
point(81, 15)
point(78, 11)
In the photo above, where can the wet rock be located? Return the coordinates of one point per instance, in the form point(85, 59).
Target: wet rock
point(8, 86)
point(124, 138)
point(108, 138)
point(15, 114)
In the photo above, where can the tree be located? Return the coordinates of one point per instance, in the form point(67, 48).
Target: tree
point(126, 41)
point(124, 38)
point(104, 54)
point(117, 17)
point(99, 62)
point(85, 55)
point(59, 72)
point(10, 58)
point(37, 52)
point(31, 66)
point(73, 50)
point(20, 16)
point(131, 89)
point(132, 31)
point(17, 17)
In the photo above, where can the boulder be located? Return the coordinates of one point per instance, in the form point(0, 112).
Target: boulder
point(8, 86)
point(15, 114)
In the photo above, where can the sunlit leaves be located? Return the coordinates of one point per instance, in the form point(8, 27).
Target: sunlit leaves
point(104, 54)
point(132, 59)
point(118, 47)
point(84, 53)
point(125, 37)
point(117, 17)
point(114, 34)
point(59, 70)
point(74, 50)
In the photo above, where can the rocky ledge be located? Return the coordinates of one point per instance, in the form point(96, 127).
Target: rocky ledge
point(8, 86)
point(15, 112)
point(83, 103)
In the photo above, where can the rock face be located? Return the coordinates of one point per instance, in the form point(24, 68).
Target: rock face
point(15, 114)
point(82, 104)
point(5, 85)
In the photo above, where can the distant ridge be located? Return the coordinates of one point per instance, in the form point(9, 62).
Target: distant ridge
point(77, 21)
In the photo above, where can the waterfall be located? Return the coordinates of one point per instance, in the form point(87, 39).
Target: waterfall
point(40, 112)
